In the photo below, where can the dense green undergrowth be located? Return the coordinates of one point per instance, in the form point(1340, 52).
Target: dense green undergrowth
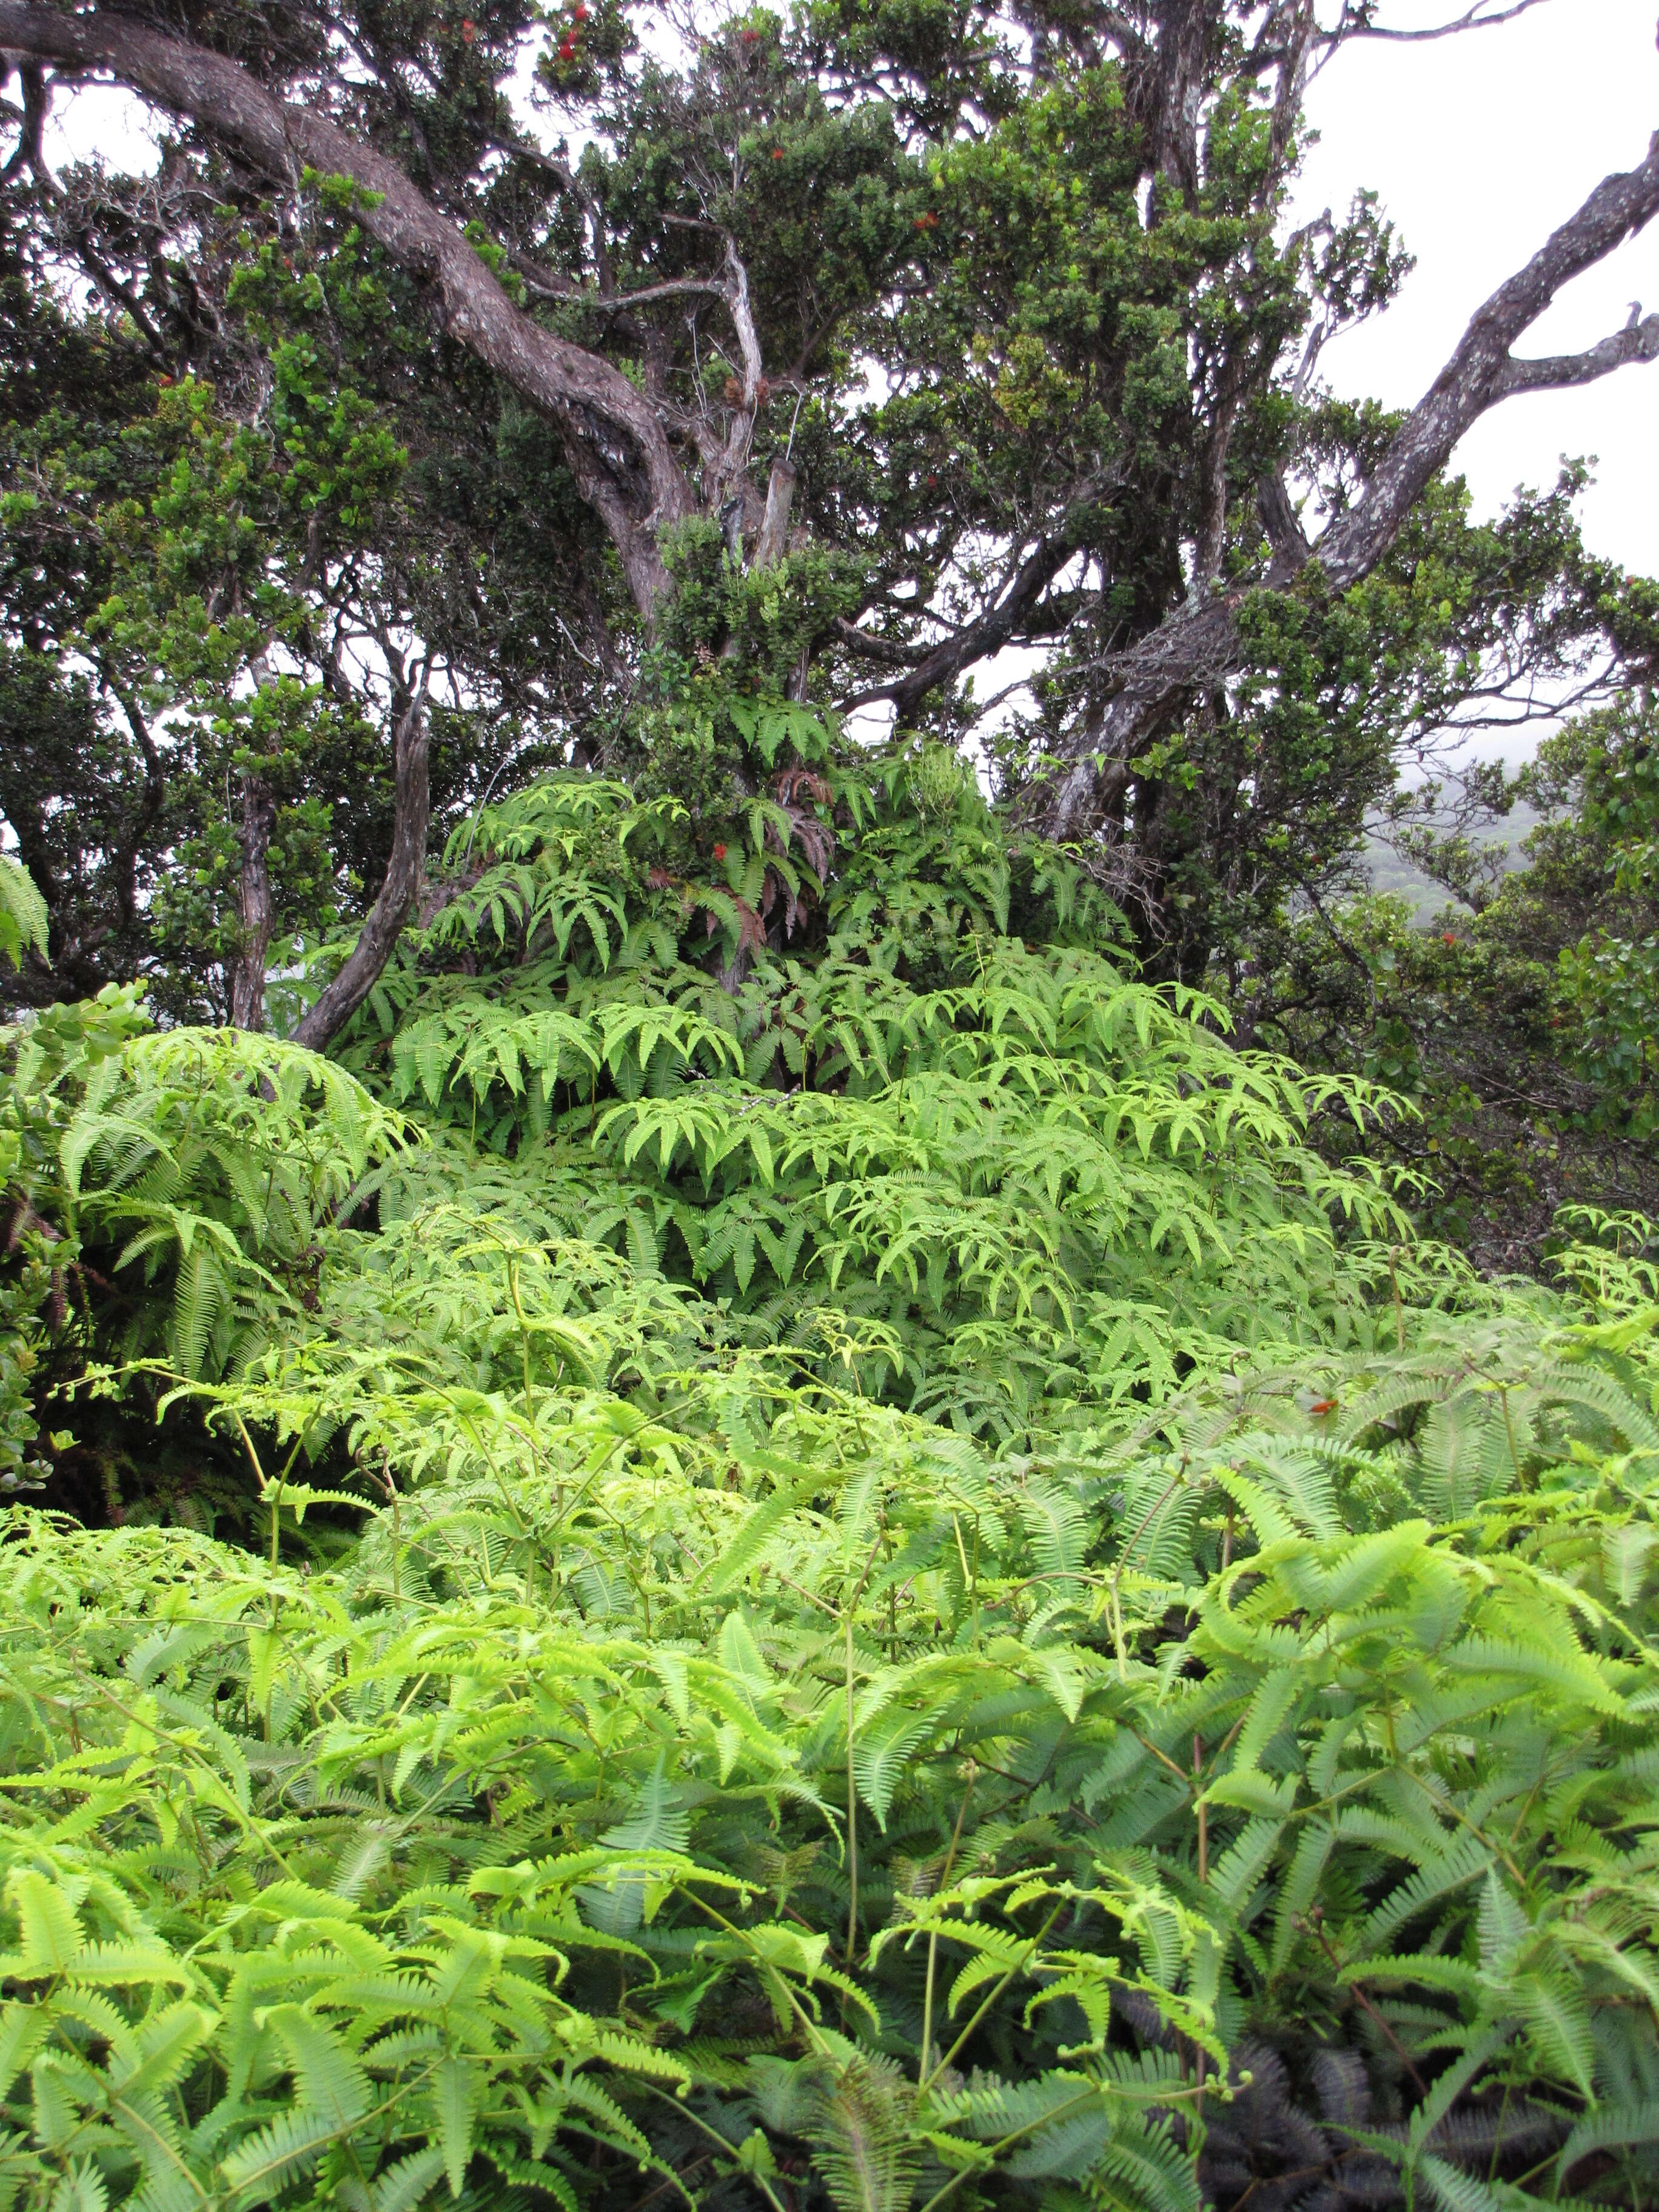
point(867, 1584)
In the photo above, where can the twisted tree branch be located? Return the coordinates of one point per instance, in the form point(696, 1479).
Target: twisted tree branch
point(614, 438)
point(1198, 645)
point(1472, 18)
point(1637, 340)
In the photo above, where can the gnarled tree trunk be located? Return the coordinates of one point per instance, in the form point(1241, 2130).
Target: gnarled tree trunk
point(345, 991)
point(247, 974)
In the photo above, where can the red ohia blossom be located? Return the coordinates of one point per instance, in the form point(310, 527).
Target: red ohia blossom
point(720, 852)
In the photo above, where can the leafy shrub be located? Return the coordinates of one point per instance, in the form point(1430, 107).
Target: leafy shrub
point(874, 1588)
point(789, 1791)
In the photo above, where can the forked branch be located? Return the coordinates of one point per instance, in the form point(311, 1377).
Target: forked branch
point(1198, 645)
point(1637, 340)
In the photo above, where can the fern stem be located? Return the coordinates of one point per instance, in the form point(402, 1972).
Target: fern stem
point(524, 1332)
point(1018, 1967)
point(808, 2024)
point(186, 1752)
point(685, 2112)
point(1122, 1561)
point(258, 1476)
point(1004, 2142)
point(1509, 1430)
point(1374, 2011)
point(276, 1494)
point(1498, 2134)
point(969, 1575)
point(1203, 1812)
point(851, 1804)
point(848, 1607)
point(1174, 1766)
point(392, 1498)
point(140, 2125)
point(933, 1933)
point(1451, 1811)
point(799, 1589)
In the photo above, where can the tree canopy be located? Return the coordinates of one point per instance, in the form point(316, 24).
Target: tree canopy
point(465, 394)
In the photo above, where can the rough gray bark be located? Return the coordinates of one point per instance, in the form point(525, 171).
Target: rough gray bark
point(1187, 28)
point(400, 892)
point(773, 538)
point(614, 438)
point(247, 974)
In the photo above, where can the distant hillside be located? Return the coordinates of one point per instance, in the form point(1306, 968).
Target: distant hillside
point(1390, 874)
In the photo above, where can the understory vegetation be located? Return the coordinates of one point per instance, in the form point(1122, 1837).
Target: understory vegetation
point(898, 1585)
point(784, 1429)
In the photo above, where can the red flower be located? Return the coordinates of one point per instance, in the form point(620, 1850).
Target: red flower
point(720, 852)
point(579, 11)
point(1447, 938)
point(928, 221)
point(777, 153)
point(566, 49)
point(469, 30)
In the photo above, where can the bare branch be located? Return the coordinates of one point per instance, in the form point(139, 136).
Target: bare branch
point(1477, 376)
point(1637, 340)
point(882, 649)
point(1474, 19)
point(613, 303)
point(978, 639)
point(743, 319)
point(731, 456)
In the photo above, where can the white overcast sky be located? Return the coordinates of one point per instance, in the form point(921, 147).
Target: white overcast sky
point(1479, 146)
